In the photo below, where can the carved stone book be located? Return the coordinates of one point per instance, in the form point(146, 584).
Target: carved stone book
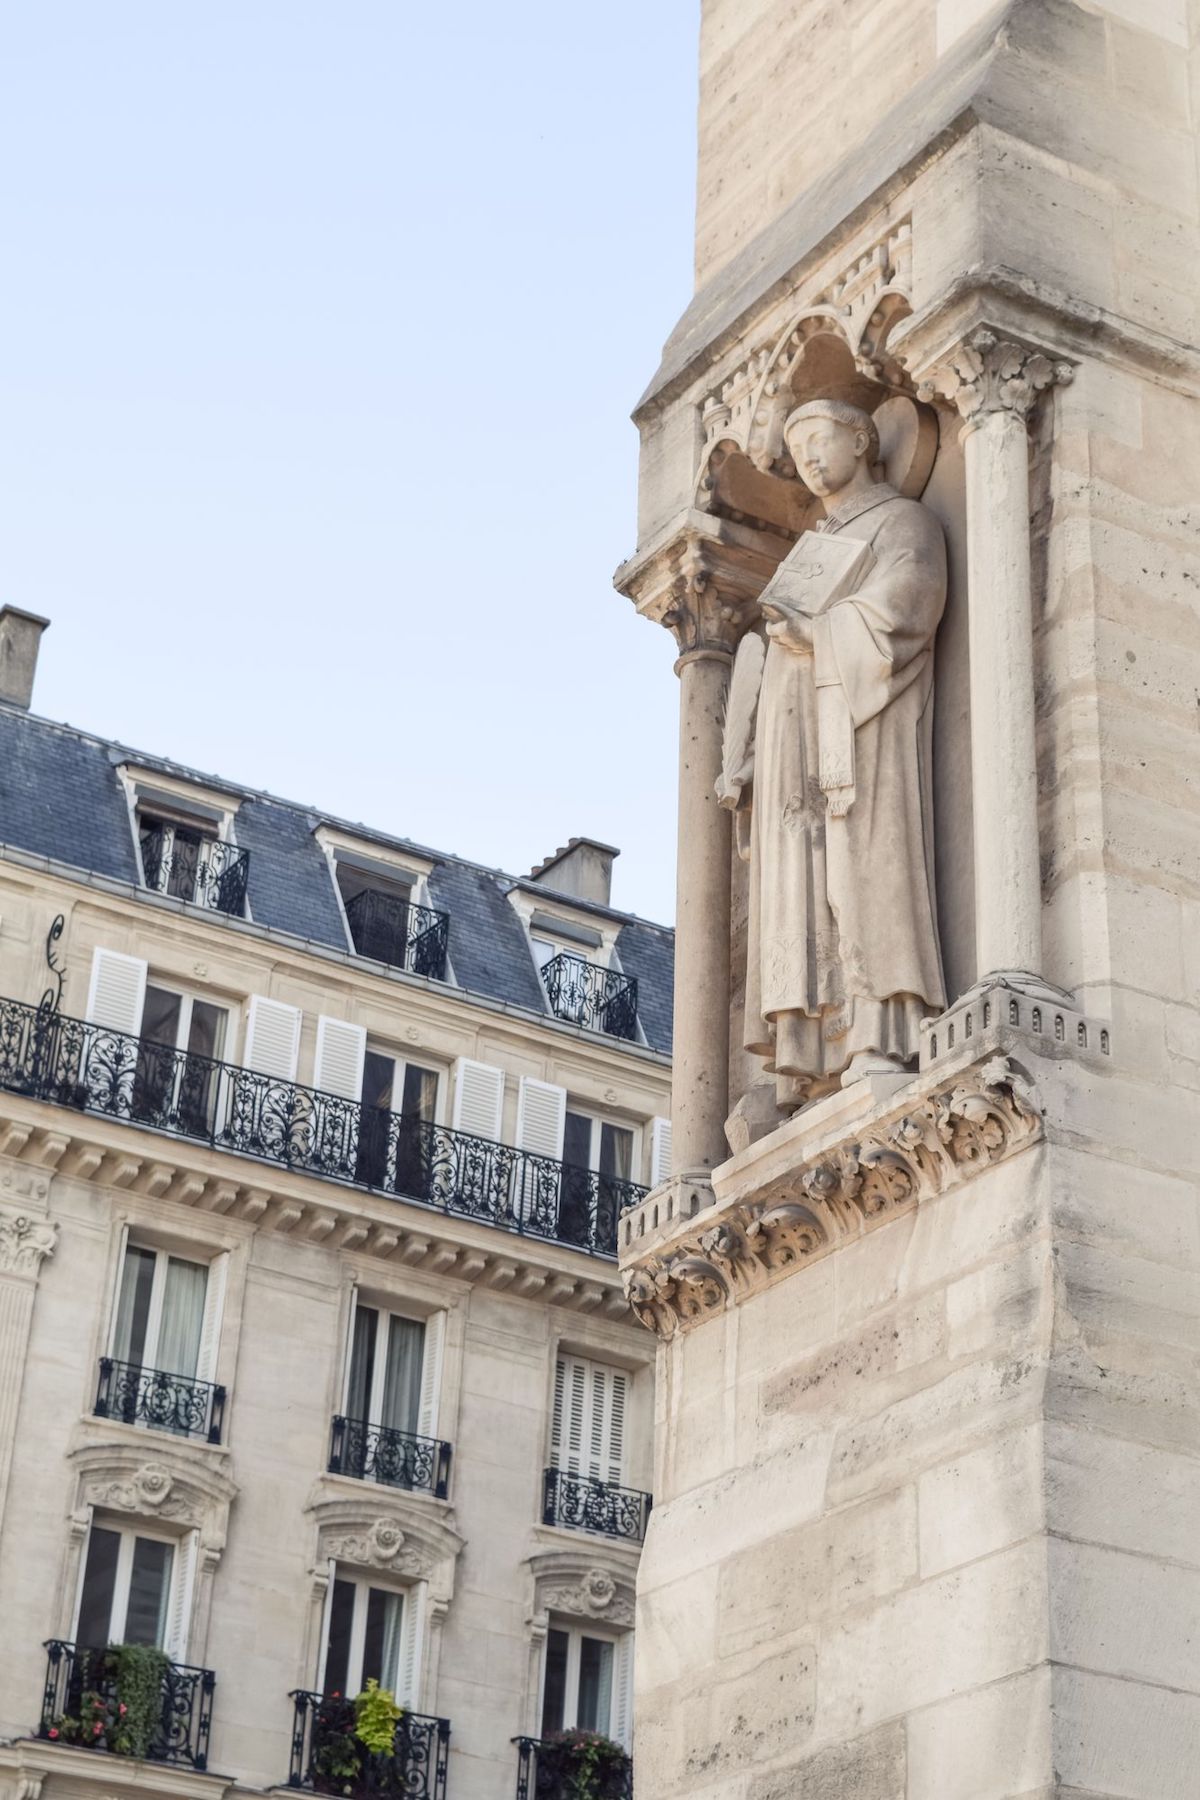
point(817, 571)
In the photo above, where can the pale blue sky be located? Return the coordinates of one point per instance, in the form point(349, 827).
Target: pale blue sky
point(321, 325)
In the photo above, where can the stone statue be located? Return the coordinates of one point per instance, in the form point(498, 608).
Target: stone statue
point(828, 750)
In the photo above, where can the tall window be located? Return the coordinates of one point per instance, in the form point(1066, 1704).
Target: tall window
point(393, 1088)
point(587, 1432)
point(586, 1681)
point(160, 1311)
point(126, 1592)
point(589, 1209)
point(181, 1039)
point(189, 860)
point(373, 1634)
point(386, 1363)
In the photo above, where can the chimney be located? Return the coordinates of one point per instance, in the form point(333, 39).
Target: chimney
point(20, 635)
point(582, 869)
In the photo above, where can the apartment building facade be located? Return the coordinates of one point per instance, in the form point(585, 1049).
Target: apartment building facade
point(315, 1368)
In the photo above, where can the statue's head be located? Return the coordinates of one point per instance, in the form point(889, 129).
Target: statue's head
point(829, 442)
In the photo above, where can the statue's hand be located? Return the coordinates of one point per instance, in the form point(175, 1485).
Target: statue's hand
point(794, 631)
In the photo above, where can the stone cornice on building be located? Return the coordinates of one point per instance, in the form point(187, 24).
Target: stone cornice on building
point(108, 1153)
point(797, 1195)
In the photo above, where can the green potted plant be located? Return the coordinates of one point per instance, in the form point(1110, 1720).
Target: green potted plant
point(347, 1733)
point(120, 1701)
point(586, 1766)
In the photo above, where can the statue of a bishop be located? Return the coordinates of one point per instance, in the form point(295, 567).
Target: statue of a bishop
point(828, 746)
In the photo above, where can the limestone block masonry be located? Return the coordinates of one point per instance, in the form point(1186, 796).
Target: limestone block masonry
point(927, 1464)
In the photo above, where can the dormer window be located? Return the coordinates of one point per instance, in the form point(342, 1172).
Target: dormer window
point(189, 859)
point(388, 923)
point(581, 990)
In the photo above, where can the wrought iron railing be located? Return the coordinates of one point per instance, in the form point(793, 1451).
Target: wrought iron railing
point(399, 932)
point(71, 1063)
point(177, 1403)
point(398, 1459)
point(583, 1503)
point(83, 1690)
point(586, 994)
point(204, 869)
point(327, 1757)
point(551, 1768)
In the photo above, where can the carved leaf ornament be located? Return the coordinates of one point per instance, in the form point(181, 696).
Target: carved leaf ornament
point(985, 1116)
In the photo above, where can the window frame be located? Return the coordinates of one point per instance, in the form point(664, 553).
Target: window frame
point(154, 1313)
point(363, 1581)
point(598, 1121)
point(128, 1531)
point(575, 1632)
point(219, 830)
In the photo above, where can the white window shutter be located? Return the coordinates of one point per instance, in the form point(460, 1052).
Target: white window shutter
point(660, 1151)
point(412, 1634)
point(183, 1587)
point(326, 1615)
point(541, 1117)
point(122, 1247)
point(341, 1051)
point(117, 992)
point(597, 1425)
point(575, 1404)
point(214, 1307)
point(622, 1714)
point(84, 1544)
point(478, 1098)
point(556, 1417)
point(351, 1316)
point(272, 1038)
point(615, 1447)
point(431, 1374)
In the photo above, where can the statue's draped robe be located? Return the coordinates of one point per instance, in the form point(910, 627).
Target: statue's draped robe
point(843, 949)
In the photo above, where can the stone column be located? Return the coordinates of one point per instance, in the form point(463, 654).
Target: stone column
point(994, 383)
point(701, 582)
point(25, 1240)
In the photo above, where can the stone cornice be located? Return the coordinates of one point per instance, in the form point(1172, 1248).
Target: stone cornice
point(701, 578)
point(781, 1204)
point(113, 1154)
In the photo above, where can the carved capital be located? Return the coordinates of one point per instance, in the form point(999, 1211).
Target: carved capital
point(985, 373)
point(702, 581)
point(975, 1118)
point(24, 1242)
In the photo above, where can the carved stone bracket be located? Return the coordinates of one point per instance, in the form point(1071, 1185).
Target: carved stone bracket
point(976, 1118)
point(987, 373)
point(595, 1583)
point(177, 1484)
point(391, 1531)
point(702, 580)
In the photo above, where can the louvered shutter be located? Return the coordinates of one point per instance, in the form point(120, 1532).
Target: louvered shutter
point(210, 1329)
point(478, 1098)
point(341, 1051)
point(614, 1449)
point(541, 1117)
point(348, 1363)
point(660, 1151)
point(272, 1038)
point(622, 1708)
point(84, 1542)
point(122, 1246)
point(412, 1634)
point(587, 1433)
point(183, 1587)
point(571, 1390)
point(431, 1374)
point(117, 992)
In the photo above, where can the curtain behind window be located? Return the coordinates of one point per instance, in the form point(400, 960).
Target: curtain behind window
point(402, 1378)
point(182, 1317)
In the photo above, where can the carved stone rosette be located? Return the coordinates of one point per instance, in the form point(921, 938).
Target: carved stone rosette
point(977, 1118)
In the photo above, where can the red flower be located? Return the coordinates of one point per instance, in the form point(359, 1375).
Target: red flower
point(53, 1731)
point(97, 1728)
point(122, 1709)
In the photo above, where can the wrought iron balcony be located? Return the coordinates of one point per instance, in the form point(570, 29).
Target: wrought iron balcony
point(82, 1706)
point(550, 1769)
point(193, 867)
point(581, 1503)
point(586, 994)
point(68, 1062)
point(396, 931)
point(177, 1403)
point(329, 1759)
point(398, 1459)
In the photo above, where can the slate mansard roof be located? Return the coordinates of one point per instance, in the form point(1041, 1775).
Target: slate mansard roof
point(61, 797)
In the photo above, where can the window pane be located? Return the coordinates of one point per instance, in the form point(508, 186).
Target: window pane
point(420, 1094)
point(99, 1582)
point(149, 1587)
point(577, 1140)
point(381, 1645)
point(185, 860)
point(337, 1651)
point(182, 1317)
point(133, 1306)
point(206, 1034)
point(379, 1072)
point(595, 1684)
point(543, 950)
point(160, 1016)
point(616, 1152)
point(554, 1697)
point(402, 1377)
point(362, 1362)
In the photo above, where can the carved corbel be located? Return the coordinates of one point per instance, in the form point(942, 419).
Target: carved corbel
point(703, 581)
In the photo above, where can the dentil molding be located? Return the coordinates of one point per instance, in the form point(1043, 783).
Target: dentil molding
point(731, 1251)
